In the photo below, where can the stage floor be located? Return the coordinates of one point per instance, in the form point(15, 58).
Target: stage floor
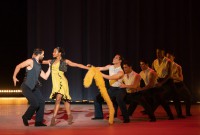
point(11, 122)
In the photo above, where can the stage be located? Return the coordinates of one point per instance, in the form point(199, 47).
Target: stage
point(11, 122)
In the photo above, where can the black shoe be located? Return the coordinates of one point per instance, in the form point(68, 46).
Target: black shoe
point(126, 121)
point(144, 112)
point(188, 114)
point(181, 116)
point(39, 124)
point(97, 118)
point(152, 120)
point(171, 118)
point(25, 121)
point(108, 117)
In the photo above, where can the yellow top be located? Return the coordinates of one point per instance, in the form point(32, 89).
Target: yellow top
point(59, 83)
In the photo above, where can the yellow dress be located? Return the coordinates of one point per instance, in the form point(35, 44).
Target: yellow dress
point(59, 83)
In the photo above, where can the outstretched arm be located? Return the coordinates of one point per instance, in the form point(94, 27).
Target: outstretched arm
point(46, 61)
point(73, 64)
point(101, 68)
point(105, 68)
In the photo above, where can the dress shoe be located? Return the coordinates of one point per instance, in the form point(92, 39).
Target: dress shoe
point(25, 121)
point(188, 114)
point(152, 120)
point(126, 121)
point(108, 117)
point(171, 118)
point(39, 124)
point(144, 112)
point(97, 118)
point(181, 116)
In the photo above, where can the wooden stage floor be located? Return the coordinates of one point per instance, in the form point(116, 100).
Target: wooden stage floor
point(11, 122)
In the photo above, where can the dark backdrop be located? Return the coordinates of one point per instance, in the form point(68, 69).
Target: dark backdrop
point(93, 31)
point(13, 39)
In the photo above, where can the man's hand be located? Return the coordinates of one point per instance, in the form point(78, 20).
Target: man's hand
point(89, 65)
point(158, 84)
point(15, 80)
point(122, 86)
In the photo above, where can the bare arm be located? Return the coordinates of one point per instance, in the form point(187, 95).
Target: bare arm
point(134, 84)
point(45, 75)
point(151, 84)
point(46, 61)
point(152, 66)
point(180, 74)
point(28, 63)
point(73, 64)
point(105, 68)
point(117, 76)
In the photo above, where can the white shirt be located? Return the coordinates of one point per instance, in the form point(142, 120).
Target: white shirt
point(113, 71)
point(129, 79)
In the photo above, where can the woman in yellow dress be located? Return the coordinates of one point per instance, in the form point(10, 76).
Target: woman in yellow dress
point(60, 89)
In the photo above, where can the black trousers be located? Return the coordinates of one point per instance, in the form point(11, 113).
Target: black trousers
point(185, 95)
point(169, 92)
point(156, 97)
point(117, 96)
point(139, 98)
point(36, 103)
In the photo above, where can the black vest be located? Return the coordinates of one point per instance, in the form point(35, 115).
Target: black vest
point(63, 65)
point(31, 77)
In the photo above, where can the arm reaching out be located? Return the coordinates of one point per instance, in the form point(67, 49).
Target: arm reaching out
point(73, 64)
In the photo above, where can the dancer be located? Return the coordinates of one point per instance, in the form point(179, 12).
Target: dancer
point(30, 87)
point(60, 90)
point(162, 66)
point(131, 81)
point(152, 93)
point(116, 93)
point(182, 90)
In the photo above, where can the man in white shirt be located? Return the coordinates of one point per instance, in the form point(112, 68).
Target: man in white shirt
point(116, 93)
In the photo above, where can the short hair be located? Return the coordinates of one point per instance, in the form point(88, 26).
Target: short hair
point(144, 60)
point(171, 52)
point(126, 62)
point(121, 57)
point(37, 51)
point(160, 49)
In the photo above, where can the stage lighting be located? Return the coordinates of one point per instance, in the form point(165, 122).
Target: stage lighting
point(11, 93)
